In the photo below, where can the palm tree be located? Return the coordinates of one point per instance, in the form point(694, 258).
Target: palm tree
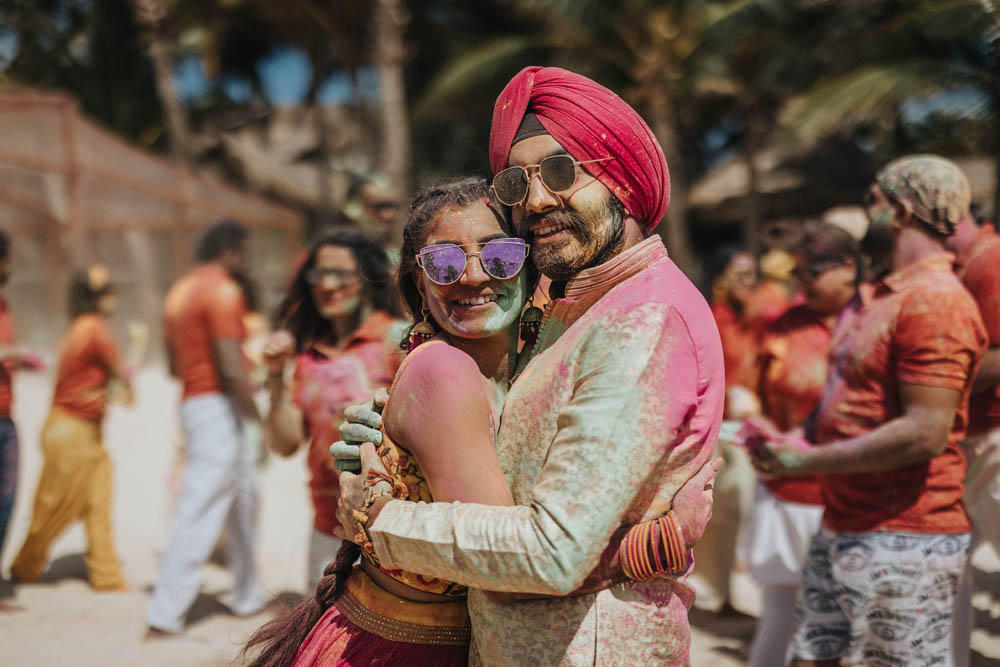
point(389, 53)
point(637, 47)
point(941, 50)
point(152, 15)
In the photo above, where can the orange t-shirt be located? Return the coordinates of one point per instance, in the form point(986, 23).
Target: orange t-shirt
point(323, 386)
point(980, 273)
point(740, 341)
point(87, 357)
point(920, 326)
point(6, 339)
point(793, 372)
point(204, 306)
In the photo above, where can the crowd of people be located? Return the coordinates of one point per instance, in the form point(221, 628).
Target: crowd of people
point(513, 485)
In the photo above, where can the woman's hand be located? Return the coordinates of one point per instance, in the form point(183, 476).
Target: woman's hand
point(278, 351)
point(355, 490)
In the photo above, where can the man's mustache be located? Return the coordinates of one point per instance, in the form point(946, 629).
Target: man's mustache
point(574, 221)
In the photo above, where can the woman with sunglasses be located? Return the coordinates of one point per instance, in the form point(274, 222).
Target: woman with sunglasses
point(334, 321)
point(792, 370)
point(465, 278)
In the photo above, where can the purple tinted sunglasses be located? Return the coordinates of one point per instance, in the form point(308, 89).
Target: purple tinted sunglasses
point(445, 263)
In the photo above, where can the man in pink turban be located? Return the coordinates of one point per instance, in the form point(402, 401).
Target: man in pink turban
point(612, 410)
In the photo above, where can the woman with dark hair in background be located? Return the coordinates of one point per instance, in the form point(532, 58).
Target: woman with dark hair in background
point(334, 320)
point(76, 476)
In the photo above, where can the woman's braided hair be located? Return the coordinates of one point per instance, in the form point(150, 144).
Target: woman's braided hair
point(282, 637)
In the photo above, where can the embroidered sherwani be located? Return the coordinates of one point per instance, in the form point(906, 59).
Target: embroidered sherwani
point(618, 407)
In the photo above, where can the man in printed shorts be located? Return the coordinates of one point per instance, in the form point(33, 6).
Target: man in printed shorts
point(882, 574)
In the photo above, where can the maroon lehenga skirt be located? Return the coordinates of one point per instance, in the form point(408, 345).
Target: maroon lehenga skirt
point(368, 625)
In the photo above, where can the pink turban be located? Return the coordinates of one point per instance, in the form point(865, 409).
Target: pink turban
point(590, 122)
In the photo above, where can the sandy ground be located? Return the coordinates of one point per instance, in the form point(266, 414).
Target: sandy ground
point(63, 622)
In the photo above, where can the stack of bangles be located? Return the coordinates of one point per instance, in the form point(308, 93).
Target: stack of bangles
point(654, 549)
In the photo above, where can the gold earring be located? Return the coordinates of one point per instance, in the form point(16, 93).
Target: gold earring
point(421, 332)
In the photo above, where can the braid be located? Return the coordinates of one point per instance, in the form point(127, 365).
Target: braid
point(282, 637)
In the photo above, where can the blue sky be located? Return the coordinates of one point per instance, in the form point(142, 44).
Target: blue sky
point(285, 78)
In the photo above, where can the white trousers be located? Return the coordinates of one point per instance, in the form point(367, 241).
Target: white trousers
point(982, 501)
point(217, 494)
point(775, 546)
point(323, 549)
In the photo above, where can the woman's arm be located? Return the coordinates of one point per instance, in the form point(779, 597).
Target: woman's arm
point(283, 420)
point(439, 411)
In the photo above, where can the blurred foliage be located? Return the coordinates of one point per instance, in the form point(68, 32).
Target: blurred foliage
point(91, 50)
point(709, 76)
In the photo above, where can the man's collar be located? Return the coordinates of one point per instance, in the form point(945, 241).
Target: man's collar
point(900, 280)
point(618, 268)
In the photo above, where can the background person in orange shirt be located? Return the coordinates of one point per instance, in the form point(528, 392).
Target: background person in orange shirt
point(882, 574)
point(76, 476)
point(977, 250)
point(335, 320)
point(793, 368)
point(204, 330)
point(742, 305)
point(12, 358)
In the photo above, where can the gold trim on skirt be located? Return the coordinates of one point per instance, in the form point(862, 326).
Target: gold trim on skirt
point(374, 609)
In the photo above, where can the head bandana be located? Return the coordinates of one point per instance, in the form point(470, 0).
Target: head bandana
point(590, 122)
point(935, 187)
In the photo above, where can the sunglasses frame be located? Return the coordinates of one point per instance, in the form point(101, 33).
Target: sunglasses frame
point(478, 255)
point(344, 279)
point(528, 176)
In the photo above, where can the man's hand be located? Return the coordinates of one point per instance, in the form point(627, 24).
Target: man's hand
point(361, 424)
point(779, 454)
point(352, 493)
point(692, 505)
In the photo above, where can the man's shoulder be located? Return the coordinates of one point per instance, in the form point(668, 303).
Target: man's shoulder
point(941, 304)
point(984, 262)
point(660, 283)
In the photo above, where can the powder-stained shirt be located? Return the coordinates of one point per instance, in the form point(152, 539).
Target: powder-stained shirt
point(618, 407)
point(793, 371)
point(323, 386)
point(979, 269)
point(741, 332)
point(204, 306)
point(919, 326)
point(6, 369)
point(740, 343)
point(87, 358)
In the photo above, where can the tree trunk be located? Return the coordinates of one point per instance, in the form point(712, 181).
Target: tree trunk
point(390, 20)
point(752, 220)
point(674, 229)
point(151, 14)
point(173, 111)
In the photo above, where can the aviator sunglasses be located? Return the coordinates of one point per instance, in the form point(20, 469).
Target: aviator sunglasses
point(558, 173)
point(445, 263)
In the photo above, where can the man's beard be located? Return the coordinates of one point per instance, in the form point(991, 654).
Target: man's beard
point(878, 244)
point(555, 262)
